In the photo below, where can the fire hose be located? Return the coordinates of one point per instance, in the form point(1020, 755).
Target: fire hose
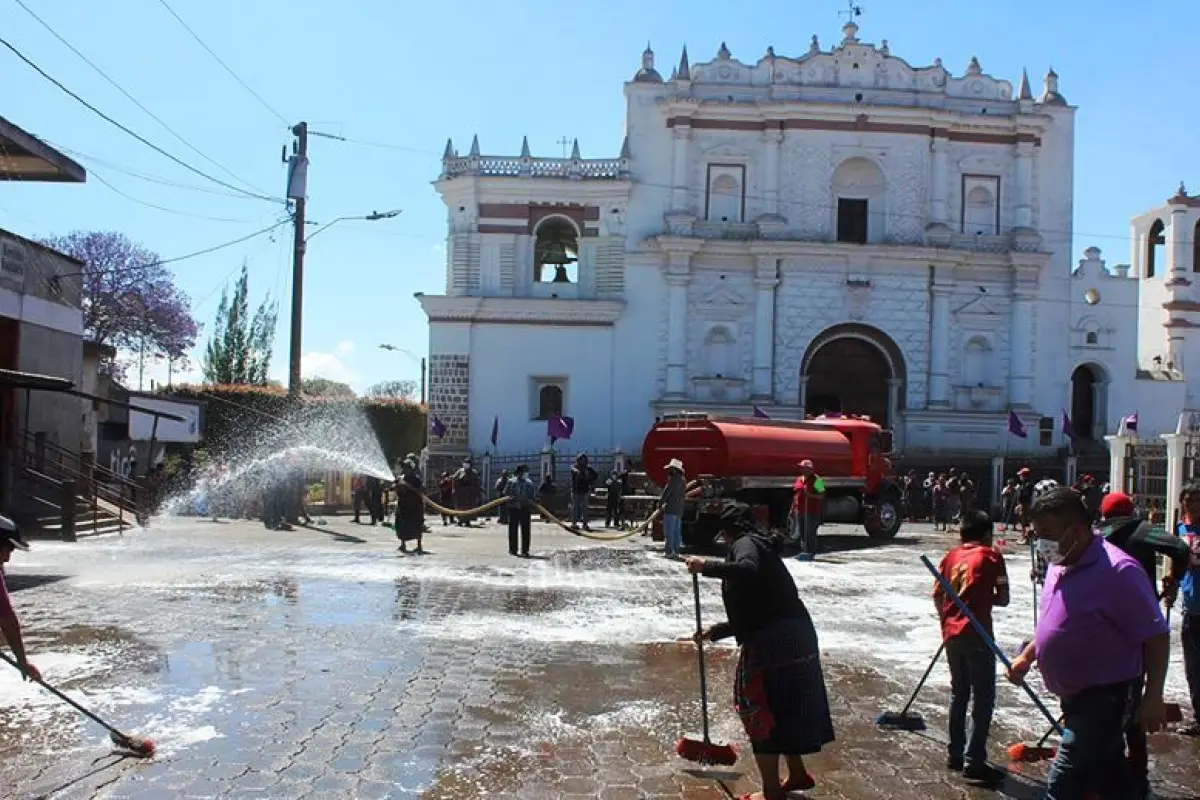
point(693, 491)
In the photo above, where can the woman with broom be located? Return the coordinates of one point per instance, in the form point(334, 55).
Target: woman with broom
point(779, 690)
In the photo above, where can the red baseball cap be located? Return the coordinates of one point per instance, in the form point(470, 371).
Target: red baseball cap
point(1116, 504)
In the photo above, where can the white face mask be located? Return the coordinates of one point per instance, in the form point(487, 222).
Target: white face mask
point(1048, 550)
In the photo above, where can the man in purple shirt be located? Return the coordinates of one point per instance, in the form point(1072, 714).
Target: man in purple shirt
point(1102, 645)
point(10, 626)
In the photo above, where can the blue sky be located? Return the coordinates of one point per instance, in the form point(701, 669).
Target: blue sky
point(409, 75)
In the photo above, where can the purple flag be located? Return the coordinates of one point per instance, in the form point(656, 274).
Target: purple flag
point(760, 414)
point(1130, 423)
point(560, 427)
point(1015, 426)
point(437, 427)
point(1068, 428)
point(495, 430)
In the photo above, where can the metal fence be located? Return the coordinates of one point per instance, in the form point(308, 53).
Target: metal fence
point(1146, 478)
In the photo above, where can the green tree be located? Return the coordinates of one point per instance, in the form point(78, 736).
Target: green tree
point(317, 386)
point(402, 389)
point(239, 350)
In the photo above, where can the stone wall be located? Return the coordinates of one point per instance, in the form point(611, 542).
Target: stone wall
point(449, 400)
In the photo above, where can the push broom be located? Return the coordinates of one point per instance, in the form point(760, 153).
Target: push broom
point(135, 745)
point(703, 751)
point(903, 720)
point(987, 639)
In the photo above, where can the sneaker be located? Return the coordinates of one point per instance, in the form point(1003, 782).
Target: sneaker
point(799, 783)
point(954, 764)
point(983, 773)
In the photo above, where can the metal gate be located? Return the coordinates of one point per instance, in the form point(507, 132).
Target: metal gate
point(1146, 479)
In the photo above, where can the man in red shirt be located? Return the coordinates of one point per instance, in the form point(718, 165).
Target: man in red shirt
point(976, 571)
point(807, 500)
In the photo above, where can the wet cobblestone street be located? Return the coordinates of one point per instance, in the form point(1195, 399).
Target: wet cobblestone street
point(321, 663)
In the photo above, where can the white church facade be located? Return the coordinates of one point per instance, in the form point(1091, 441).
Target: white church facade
point(835, 231)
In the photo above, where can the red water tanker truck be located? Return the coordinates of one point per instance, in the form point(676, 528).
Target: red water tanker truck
point(756, 461)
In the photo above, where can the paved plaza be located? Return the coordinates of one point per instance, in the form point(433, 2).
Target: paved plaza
point(322, 663)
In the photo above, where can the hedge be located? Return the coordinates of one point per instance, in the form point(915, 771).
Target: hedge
point(236, 415)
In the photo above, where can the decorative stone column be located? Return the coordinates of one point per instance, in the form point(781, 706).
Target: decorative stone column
point(680, 179)
point(766, 278)
point(939, 211)
point(802, 401)
point(1176, 452)
point(1023, 217)
point(939, 348)
point(1179, 241)
point(1117, 446)
point(772, 139)
point(895, 386)
point(678, 277)
point(1020, 374)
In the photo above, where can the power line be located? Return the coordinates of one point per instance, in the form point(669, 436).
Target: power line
point(163, 261)
point(126, 130)
point(156, 207)
point(133, 99)
point(233, 74)
point(399, 147)
point(143, 176)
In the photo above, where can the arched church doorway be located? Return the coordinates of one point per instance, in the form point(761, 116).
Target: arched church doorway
point(853, 369)
point(1087, 401)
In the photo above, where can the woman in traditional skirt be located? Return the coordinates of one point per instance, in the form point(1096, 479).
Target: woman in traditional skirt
point(779, 690)
point(410, 507)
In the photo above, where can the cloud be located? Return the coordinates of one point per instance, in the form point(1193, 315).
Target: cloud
point(327, 365)
point(344, 348)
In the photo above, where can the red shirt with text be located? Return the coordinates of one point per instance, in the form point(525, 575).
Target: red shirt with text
point(975, 571)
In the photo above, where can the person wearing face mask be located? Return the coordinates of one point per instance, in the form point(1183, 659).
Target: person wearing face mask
point(1102, 645)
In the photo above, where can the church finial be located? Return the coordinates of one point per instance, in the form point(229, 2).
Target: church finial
point(884, 48)
point(850, 29)
point(723, 54)
point(475, 145)
point(973, 67)
point(449, 153)
point(525, 147)
point(575, 151)
point(1050, 95)
point(685, 69)
point(815, 46)
point(625, 147)
point(1025, 92)
point(770, 51)
point(648, 57)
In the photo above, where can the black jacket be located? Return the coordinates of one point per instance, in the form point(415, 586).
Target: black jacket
point(1139, 539)
point(756, 587)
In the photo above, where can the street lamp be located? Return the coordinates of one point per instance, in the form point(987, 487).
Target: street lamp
point(394, 349)
point(374, 216)
point(299, 248)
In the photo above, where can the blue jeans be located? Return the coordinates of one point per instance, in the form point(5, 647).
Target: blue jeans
point(1190, 637)
point(579, 508)
point(972, 680)
point(1091, 756)
point(673, 533)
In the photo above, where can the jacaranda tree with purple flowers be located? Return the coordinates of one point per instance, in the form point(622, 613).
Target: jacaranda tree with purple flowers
point(130, 300)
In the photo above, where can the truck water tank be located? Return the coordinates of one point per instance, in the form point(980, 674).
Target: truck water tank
point(737, 448)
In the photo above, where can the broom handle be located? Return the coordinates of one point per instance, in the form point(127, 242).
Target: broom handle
point(987, 638)
point(1033, 579)
point(925, 677)
point(66, 699)
point(700, 656)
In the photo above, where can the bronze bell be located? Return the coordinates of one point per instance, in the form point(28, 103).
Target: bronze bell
point(553, 251)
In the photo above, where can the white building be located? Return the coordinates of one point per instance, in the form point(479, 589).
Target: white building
point(839, 230)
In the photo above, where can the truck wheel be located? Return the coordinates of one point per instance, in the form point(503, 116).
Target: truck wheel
point(883, 521)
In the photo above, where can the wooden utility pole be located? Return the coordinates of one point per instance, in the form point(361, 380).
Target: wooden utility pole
point(298, 192)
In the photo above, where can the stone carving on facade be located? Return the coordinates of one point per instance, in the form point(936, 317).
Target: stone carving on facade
point(612, 220)
point(807, 170)
point(908, 195)
point(809, 304)
point(852, 63)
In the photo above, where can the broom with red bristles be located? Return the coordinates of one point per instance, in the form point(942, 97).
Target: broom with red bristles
point(1033, 753)
point(134, 745)
point(703, 751)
